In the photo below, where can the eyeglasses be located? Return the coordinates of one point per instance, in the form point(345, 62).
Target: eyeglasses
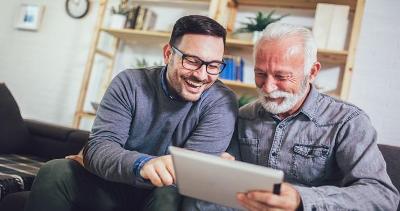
point(194, 63)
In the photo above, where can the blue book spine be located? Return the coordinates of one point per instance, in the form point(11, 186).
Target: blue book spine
point(241, 69)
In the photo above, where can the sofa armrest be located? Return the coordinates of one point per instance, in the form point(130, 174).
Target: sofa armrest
point(53, 141)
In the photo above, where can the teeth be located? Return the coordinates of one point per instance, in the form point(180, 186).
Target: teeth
point(197, 85)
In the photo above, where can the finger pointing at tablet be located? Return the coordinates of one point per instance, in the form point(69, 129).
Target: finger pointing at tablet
point(159, 171)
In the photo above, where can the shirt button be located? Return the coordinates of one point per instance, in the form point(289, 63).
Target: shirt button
point(280, 126)
point(274, 154)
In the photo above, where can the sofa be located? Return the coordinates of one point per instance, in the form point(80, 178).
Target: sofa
point(25, 145)
point(391, 156)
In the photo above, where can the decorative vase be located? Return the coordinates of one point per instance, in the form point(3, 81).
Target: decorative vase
point(256, 36)
point(117, 21)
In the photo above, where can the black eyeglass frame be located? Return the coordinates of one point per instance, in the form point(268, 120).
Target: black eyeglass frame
point(183, 56)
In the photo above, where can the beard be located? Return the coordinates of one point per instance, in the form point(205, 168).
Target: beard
point(289, 99)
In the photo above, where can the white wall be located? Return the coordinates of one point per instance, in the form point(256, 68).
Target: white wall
point(375, 83)
point(44, 69)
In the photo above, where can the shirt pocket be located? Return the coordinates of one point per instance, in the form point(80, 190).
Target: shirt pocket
point(249, 150)
point(309, 162)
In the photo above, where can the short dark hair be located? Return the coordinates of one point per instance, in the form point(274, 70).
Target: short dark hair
point(196, 24)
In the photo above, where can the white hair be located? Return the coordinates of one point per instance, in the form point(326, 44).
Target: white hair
point(280, 31)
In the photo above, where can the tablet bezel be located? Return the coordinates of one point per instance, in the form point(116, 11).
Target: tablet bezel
point(217, 180)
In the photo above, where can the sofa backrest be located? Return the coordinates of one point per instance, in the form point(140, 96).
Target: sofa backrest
point(391, 154)
point(14, 135)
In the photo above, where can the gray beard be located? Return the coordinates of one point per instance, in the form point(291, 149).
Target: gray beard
point(289, 100)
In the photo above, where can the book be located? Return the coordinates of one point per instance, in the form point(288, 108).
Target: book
point(149, 20)
point(233, 69)
point(140, 18)
point(132, 16)
point(330, 26)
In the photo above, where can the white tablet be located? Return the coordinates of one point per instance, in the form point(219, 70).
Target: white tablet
point(216, 180)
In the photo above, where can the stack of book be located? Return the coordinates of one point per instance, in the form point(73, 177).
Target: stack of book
point(234, 68)
point(141, 18)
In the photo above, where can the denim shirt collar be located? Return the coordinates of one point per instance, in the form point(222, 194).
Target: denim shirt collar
point(164, 86)
point(310, 104)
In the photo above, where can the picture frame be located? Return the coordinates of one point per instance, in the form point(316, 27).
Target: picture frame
point(30, 17)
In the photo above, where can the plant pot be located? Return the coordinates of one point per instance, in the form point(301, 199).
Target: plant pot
point(117, 21)
point(256, 36)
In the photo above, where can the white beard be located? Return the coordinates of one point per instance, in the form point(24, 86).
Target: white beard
point(289, 99)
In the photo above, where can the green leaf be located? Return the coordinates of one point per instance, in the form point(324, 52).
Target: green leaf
point(258, 23)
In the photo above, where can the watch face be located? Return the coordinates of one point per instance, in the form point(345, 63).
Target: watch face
point(77, 8)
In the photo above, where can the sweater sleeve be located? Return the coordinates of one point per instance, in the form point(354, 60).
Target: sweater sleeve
point(104, 155)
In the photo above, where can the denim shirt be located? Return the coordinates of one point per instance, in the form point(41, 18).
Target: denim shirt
point(327, 150)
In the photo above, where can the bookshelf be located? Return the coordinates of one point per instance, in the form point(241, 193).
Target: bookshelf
point(217, 10)
point(325, 55)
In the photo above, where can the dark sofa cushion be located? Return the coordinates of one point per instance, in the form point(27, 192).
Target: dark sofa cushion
point(18, 172)
point(15, 201)
point(52, 141)
point(14, 135)
point(391, 156)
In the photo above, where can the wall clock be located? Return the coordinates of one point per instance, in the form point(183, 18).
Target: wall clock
point(77, 8)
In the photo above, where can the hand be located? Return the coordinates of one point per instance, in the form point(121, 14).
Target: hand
point(227, 156)
point(159, 171)
point(78, 158)
point(289, 199)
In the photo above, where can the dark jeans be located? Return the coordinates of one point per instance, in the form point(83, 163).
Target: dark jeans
point(64, 185)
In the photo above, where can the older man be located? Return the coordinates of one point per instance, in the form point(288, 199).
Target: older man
point(327, 148)
point(142, 113)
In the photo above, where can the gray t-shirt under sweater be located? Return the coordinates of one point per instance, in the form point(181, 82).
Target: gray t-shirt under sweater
point(136, 117)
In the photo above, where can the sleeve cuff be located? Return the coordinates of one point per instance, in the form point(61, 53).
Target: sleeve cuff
point(139, 163)
point(309, 197)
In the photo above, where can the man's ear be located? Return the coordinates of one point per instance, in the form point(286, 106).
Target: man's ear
point(314, 71)
point(167, 53)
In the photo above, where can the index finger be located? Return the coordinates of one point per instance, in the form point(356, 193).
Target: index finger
point(170, 167)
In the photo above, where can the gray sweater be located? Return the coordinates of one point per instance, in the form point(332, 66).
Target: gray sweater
point(136, 117)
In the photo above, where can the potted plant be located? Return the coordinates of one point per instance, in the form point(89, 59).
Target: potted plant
point(140, 63)
point(256, 25)
point(119, 15)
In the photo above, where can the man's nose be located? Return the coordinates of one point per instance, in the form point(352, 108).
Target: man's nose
point(201, 74)
point(269, 85)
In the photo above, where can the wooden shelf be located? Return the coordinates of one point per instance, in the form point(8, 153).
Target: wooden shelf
point(238, 84)
point(294, 4)
point(329, 56)
point(178, 2)
point(239, 43)
point(131, 34)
